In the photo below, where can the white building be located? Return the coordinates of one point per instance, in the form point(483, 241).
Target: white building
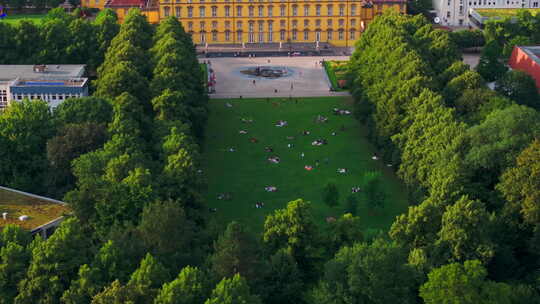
point(51, 83)
point(457, 12)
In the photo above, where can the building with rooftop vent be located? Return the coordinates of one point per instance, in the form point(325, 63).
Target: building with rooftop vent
point(51, 83)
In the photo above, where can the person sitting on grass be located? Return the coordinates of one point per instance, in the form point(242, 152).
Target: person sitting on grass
point(270, 188)
point(308, 167)
point(274, 159)
point(231, 149)
point(242, 132)
point(355, 189)
point(305, 132)
point(342, 170)
point(281, 123)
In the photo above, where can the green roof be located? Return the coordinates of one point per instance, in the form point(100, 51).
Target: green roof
point(40, 210)
point(504, 12)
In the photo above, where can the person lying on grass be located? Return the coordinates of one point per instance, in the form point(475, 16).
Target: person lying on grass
point(274, 159)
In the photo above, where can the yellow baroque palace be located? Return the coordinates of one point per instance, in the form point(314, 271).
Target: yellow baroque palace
point(338, 22)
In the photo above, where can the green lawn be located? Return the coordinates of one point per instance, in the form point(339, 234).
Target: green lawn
point(504, 12)
point(246, 171)
point(14, 19)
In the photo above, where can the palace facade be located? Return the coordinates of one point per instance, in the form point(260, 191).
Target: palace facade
point(338, 22)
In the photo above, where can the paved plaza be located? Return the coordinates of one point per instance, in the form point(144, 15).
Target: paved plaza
point(305, 77)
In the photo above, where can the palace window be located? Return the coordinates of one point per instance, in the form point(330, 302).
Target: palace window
point(202, 25)
point(239, 11)
point(282, 11)
point(250, 10)
point(306, 23)
point(329, 22)
point(295, 24)
point(239, 37)
point(214, 35)
point(239, 25)
point(251, 26)
point(270, 9)
point(294, 35)
point(329, 34)
point(166, 11)
point(282, 23)
point(190, 26)
point(261, 11)
point(282, 35)
point(177, 11)
point(190, 12)
point(330, 9)
point(318, 10)
point(227, 11)
point(295, 10)
point(340, 34)
point(203, 37)
point(342, 10)
point(227, 24)
point(353, 22)
point(214, 25)
point(270, 30)
point(202, 11)
point(353, 10)
point(214, 11)
point(306, 35)
point(227, 35)
point(341, 22)
point(306, 10)
point(261, 26)
point(318, 22)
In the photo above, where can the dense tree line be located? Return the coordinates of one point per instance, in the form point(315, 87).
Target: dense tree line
point(61, 38)
point(459, 147)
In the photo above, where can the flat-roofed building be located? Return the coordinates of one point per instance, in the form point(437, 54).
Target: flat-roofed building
point(37, 214)
point(527, 59)
point(51, 83)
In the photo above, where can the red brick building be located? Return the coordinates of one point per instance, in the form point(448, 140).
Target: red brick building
point(527, 59)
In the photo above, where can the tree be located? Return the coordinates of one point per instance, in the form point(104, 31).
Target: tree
point(375, 196)
point(468, 38)
point(374, 273)
point(169, 235)
point(330, 194)
point(282, 281)
point(83, 110)
point(54, 264)
point(489, 66)
point(351, 205)
point(293, 229)
point(519, 87)
point(496, 142)
point(231, 291)
point(463, 284)
point(82, 44)
point(120, 78)
point(235, 252)
point(147, 279)
point(346, 231)
point(71, 141)
point(14, 260)
point(25, 128)
point(520, 186)
point(189, 287)
point(106, 28)
point(465, 232)
point(28, 42)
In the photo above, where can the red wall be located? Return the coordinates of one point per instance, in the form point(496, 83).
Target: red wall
point(521, 61)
